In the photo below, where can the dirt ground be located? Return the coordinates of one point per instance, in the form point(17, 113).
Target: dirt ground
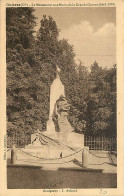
point(37, 178)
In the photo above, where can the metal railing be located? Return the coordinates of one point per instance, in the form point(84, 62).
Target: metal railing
point(19, 141)
point(101, 143)
point(94, 143)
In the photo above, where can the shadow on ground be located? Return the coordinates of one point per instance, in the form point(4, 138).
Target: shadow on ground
point(36, 178)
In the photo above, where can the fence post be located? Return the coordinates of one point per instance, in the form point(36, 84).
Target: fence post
point(85, 157)
point(94, 143)
point(91, 142)
point(85, 140)
point(110, 143)
point(102, 144)
point(99, 143)
point(13, 154)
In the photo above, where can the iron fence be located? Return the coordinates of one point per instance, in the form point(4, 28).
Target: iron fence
point(101, 143)
point(19, 141)
point(94, 143)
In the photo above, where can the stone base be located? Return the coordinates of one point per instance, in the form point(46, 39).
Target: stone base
point(46, 153)
point(72, 139)
point(53, 150)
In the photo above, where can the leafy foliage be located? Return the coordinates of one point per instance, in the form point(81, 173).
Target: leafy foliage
point(102, 101)
point(31, 68)
point(21, 104)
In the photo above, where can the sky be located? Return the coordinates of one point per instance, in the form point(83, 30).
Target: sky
point(91, 31)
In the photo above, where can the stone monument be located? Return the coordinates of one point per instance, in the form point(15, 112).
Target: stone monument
point(59, 139)
point(58, 126)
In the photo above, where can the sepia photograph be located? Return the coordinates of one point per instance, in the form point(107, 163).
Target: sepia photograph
point(61, 98)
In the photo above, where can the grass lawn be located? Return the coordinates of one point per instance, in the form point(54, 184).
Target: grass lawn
point(36, 178)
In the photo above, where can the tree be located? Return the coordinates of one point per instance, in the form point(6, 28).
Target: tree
point(31, 68)
point(102, 101)
point(21, 106)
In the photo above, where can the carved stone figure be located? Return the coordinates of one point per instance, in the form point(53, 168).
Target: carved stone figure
point(60, 114)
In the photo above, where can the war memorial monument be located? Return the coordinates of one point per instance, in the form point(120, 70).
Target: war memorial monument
point(59, 141)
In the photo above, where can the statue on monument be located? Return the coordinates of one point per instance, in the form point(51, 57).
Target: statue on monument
point(60, 114)
point(58, 126)
point(59, 108)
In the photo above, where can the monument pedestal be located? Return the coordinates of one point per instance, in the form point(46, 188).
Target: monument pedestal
point(53, 150)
